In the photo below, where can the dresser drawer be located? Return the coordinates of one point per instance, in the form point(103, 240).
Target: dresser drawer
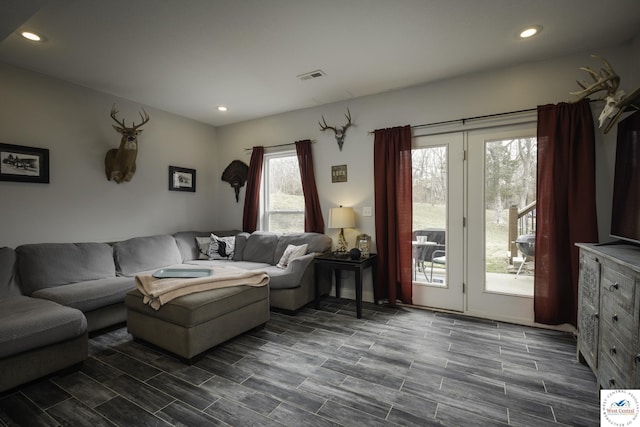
point(621, 322)
point(619, 285)
point(610, 376)
point(617, 352)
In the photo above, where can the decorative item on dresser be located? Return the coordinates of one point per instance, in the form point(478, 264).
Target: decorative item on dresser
point(608, 313)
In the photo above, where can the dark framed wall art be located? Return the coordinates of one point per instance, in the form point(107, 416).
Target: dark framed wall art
point(182, 179)
point(24, 164)
point(339, 173)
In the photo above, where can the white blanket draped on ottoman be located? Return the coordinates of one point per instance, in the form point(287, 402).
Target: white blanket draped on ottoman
point(157, 292)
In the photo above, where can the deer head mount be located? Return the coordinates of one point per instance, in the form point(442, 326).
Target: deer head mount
point(120, 163)
point(616, 102)
point(339, 133)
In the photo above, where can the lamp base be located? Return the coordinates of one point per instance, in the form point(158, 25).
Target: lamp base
point(341, 246)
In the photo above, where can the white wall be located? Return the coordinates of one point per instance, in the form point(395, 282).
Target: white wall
point(496, 91)
point(80, 204)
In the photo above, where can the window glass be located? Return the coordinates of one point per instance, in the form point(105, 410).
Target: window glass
point(283, 198)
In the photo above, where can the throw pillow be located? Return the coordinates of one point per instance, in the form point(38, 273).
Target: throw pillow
point(292, 252)
point(222, 247)
point(203, 244)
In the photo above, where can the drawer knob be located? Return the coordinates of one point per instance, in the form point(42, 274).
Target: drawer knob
point(612, 350)
point(596, 316)
point(614, 287)
point(614, 317)
point(637, 358)
point(612, 382)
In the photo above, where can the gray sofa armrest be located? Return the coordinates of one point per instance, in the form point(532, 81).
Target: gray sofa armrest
point(290, 277)
point(8, 277)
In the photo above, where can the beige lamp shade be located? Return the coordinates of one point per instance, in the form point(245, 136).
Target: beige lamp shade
point(341, 218)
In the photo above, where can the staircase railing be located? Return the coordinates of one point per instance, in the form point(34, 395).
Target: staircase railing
point(521, 221)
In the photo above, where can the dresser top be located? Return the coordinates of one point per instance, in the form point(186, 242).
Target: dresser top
point(625, 254)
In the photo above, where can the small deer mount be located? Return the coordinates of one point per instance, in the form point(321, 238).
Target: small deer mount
point(616, 101)
point(236, 175)
point(120, 163)
point(339, 133)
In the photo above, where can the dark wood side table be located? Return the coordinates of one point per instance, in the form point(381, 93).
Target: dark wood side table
point(338, 264)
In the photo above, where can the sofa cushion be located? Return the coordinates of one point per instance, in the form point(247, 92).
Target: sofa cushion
point(90, 295)
point(317, 243)
point(8, 278)
point(29, 323)
point(44, 265)
point(221, 247)
point(241, 243)
point(187, 244)
point(145, 253)
point(260, 247)
point(203, 243)
point(292, 252)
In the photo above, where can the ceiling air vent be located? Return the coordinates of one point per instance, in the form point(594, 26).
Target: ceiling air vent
point(311, 75)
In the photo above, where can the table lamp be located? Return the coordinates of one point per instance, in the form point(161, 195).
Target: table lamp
point(341, 218)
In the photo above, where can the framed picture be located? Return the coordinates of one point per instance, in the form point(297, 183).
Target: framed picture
point(24, 164)
point(339, 173)
point(182, 179)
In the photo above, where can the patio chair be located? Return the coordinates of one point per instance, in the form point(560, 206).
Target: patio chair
point(439, 257)
point(425, 253)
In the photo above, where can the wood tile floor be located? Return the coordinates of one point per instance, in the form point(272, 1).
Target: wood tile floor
point(324, 367)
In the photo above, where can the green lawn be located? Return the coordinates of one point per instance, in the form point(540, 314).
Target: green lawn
point(433, 216)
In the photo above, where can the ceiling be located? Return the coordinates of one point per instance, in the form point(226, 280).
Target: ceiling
point(189, 57)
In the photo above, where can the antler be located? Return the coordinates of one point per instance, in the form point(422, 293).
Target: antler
point(348, 116)
point(113, 116)
point(324, 126)
point(134, 126)
point(607, 80)
point(631, 101)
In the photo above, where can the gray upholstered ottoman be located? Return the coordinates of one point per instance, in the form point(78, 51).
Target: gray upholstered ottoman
point(191, 324)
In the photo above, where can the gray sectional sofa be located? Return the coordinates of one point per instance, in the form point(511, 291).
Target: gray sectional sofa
point(52, 295)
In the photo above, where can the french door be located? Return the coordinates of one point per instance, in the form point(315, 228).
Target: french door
point(502, 174)
point(467, 197)
point(438, 176)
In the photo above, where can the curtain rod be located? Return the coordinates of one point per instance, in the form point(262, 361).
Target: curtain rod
point(464, 120)
point(313, 141)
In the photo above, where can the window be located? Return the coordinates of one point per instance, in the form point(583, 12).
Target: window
point(283, 200)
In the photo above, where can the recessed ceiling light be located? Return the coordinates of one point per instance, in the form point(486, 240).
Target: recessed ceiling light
point(30, 35)
point(222, 108)
point(529, 32)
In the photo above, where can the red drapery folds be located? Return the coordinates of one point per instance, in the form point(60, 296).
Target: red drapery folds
point(252, 196)
point(393, 198)
point(566, 208)
point(313, 221)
